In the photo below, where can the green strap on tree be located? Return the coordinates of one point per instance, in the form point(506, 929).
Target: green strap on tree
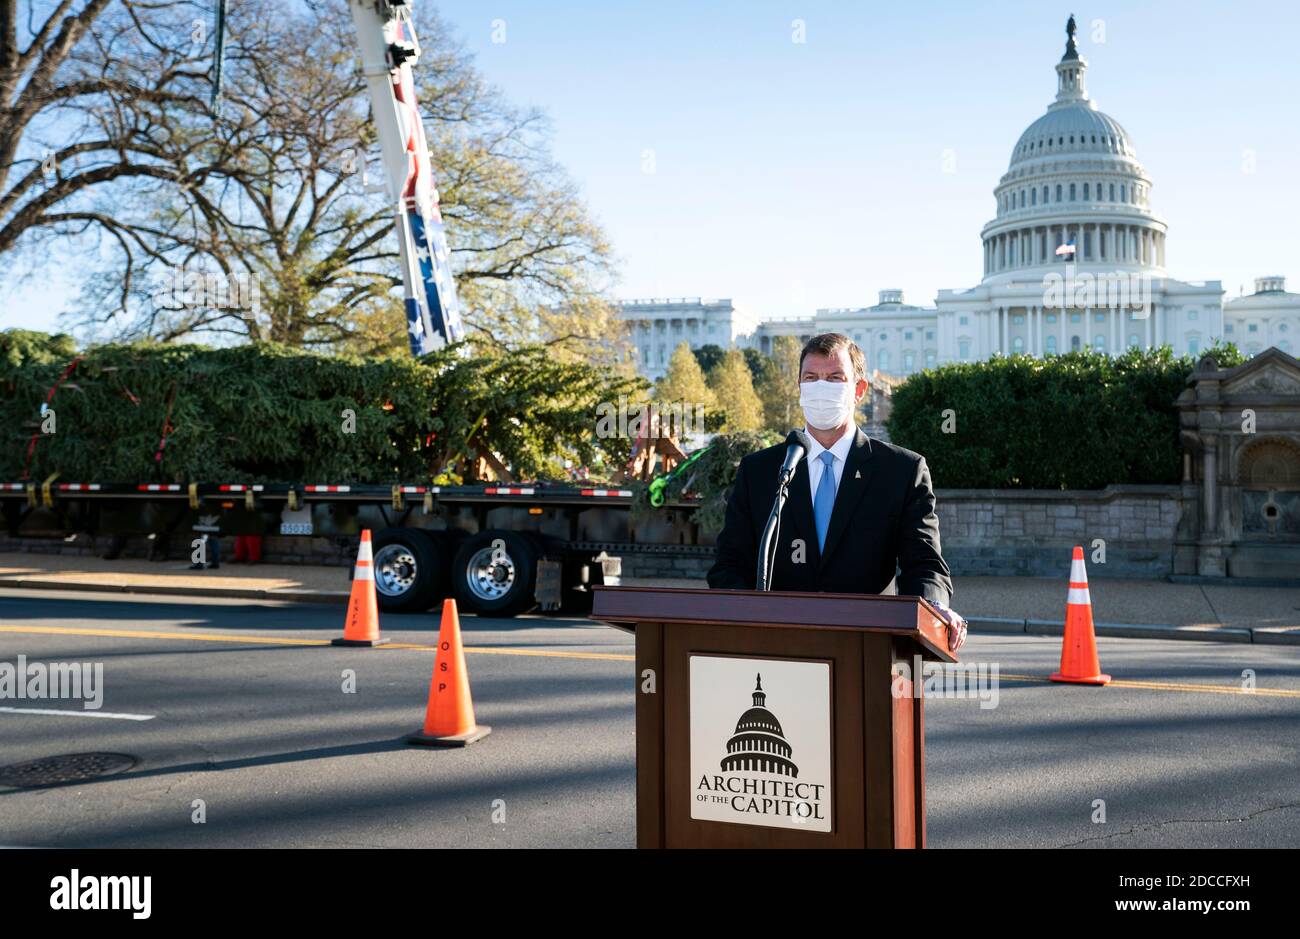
point(659, 483)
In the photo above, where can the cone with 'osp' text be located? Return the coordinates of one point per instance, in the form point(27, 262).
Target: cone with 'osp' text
point(1079, 663)
point(362, 625)
point(449, 718)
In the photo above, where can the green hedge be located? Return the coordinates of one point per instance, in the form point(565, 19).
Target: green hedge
point(1078, 421)
point(265, 413)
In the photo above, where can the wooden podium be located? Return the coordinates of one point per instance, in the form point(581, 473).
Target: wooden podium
point(777, 720)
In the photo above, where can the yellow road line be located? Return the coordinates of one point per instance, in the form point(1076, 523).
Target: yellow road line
point(155, 634)
point(598, 656)
point(545, 653)
point(288, 641)
point(1173, 686)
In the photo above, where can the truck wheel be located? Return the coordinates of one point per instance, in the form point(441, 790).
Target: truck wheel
point(495, 573)
point(410, 570)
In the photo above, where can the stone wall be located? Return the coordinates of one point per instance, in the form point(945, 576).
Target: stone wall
point(1032, 532)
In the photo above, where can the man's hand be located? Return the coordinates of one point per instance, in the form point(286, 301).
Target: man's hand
point(956, 626)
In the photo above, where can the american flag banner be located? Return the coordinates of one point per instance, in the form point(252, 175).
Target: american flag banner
point(1066, 250)
point(432, 309)
point(439, 315)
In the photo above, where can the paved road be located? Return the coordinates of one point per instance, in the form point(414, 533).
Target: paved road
point(248, 714)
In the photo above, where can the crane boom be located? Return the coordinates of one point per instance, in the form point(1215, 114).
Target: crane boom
point(389, 47)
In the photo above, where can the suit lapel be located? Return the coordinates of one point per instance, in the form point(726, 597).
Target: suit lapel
point(857, 474)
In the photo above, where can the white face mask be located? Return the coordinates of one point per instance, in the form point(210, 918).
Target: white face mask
point(827, 404)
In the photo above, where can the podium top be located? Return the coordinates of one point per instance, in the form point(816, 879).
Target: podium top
point(904, 616)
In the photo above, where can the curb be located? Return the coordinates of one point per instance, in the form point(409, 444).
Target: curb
point(1044, 627)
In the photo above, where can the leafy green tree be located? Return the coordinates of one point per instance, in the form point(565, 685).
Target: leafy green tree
point(684, 380)
point(779, 386)
point(709, 356)
point(734, 389)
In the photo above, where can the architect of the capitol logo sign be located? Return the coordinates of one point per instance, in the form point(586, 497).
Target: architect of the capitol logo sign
point(761, 770)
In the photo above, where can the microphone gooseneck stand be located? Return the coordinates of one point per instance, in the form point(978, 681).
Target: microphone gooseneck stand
point(796, 446)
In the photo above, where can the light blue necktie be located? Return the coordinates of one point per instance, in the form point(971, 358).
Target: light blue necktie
point(824, 501)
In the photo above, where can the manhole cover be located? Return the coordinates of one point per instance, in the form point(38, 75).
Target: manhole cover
point(67, 768)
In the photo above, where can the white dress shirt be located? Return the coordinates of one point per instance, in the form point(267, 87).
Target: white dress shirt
point(840, 450)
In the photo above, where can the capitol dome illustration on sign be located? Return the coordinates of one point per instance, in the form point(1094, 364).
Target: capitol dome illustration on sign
point(759, 745)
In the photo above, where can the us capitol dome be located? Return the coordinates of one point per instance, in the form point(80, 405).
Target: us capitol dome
point(1074, 179)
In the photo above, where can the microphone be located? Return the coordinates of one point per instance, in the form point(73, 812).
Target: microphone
point(797, 445)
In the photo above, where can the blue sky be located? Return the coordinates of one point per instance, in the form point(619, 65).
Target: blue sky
point(791, 176)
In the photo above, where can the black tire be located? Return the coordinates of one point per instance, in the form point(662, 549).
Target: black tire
point(410, 570)
point(505, 587)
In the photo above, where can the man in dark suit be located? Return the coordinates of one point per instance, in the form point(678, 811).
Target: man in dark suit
point(860, 515)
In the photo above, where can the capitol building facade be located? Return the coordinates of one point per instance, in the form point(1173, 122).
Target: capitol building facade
point(1073, 259)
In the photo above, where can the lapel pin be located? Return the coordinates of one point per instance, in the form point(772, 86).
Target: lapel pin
point(857, 474)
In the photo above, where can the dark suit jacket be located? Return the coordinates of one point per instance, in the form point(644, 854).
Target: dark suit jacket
point(883, 523)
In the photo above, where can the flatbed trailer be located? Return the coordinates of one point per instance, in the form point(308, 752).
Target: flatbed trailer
point(499, 548)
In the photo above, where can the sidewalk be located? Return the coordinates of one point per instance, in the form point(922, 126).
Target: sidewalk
point(1127, 608)
point(133, 575)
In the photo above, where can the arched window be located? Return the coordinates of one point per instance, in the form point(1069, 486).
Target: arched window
point(1018, 344)
point(882, 360)
point(1112, 192)
point(1051, 345)
point(1058, 192)
point(1099, 343)
point(1075, 344)
point(1071, 192)
point(1033, 197)
point(1087, 192)
point(1123, 197)
point(1194, 346)
point(1022, 198)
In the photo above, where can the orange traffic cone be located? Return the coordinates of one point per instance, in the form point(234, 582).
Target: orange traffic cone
point(449, 718)
point(362, 625)
point(1079, 663)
